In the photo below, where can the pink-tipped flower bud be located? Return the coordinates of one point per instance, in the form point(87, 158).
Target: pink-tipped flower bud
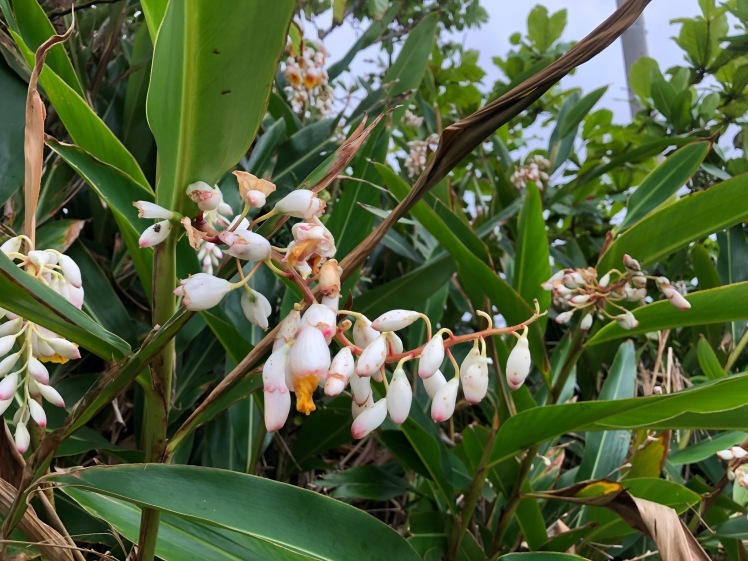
point(64, 348)
point(604, 281)
point(301, 203)
point(431, 357)
point(277, 397)
point(363, 333)
point(8, 363)
point(245, 245)
point(256, 308)
point(360, 389)
point(631, 264)
point(475, 381)
point(155, 234)
point(341, 370)
point(518, 364)
point(38, 371)
point(321, 317)
point(309, 354)
point(369, 419)
point(399, 397)
point(373, 357)
point(37, 413)
point(738, 452)
point(394, 343)
point(22, 438)
point(672, 295)
point(51, 395)
point(6, 344)
point(434, 383)
point(443, 406)
point(586, 323)
point(4, 404)
point(204, 196)
point(253, 189)
point(202, 291)
point(152, 210)
point(12, 327)
point(8, 386)
point(726, 455)
point(70, 270)
point(395, 320)
point(564, 317)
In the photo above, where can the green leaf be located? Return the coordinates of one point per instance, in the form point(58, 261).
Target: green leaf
point(364, 482)
point(207, 97)
point(664, 181)
point(58, 234)
point(532, 265)
point(84, 126)
point(716, 305)
point(29, 298)
point(674, 226)
point(154, 11)
point(694, 453)
point(13, 102)
point(579, 111)
point(409, 67)
point(541, 556)
point(542, 30)
point(643, 72)
point(338, 11)
point(274, 513)
point(708, 361)
point(118, 191)
point(714, 405)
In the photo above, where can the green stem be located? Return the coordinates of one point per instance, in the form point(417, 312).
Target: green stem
point(158, 396)
point(575, 352)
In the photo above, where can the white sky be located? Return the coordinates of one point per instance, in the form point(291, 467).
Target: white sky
point(507, 17)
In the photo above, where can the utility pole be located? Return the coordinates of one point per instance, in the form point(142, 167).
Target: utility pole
point(634, 41)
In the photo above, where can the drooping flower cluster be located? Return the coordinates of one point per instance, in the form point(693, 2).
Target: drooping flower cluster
point(417, 157)
point(26, 346)
point(308, 81)
point(736, 471)
point(579, 290)
point(535, 170)
point(412, 120)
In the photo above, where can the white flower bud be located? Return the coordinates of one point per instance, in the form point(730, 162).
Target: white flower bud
point(631, 264)
point(38, 371)
point(75, 296)
point(152, 210)
point(155, 234)
point(8, 386)
point(321, 317)
point(580, 299)
point(341, 370)
point(604, 281)
point(434, 383)
point(369, 419)
point(6, 343)
point(256, 308)
point(443, 406)
point(38, 258)
point(399, 397)
point(37, 413)
point(12, 245)
point(586, 323)
point(475, 381)
point(360, 389)
point(301, 203)
point(673, 296)
point(564, 317)
point(22, 438)
point(202, 291)
point(431, 357)
point(288, 328)
point(357, 409)
point(8, 363)
point(726, 455)
point(518, 364)
point(277, 397)
point(12, 327)
point(204, 196)
point(639, 281)
point(363, 333)
point(64, 348)
point(373, 357)
point(253, 189)
point(246, 245)
point(309, 355)
point(51, 395)
point(394, 343)
point(738, 452)
point(332, 302)
point(4, 404)
point(627, 320)
point(394, 320)
point(70, 270)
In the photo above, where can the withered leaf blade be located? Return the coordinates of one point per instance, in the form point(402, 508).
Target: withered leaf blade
point(461, 138)
point(658, 522)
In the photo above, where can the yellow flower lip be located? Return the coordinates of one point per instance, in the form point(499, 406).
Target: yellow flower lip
point(304, 388)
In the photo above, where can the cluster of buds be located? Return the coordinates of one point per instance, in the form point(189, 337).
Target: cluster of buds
point(411, 119)
point(308, 80)
point(25, 379)
point(579, 290)
point(535, 170)
point(736, 455)
point(419, 151)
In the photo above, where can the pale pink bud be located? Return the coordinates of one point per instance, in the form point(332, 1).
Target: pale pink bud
point(245, 245)
point(288, 328)
point(673, 296)
point(12, 245)
point(6, 343)
point(586, 323)
point(471, 358)
point(399, 397)
point(357, 409)
point(627, 320)
point(38, 371)
point(309, 355)
point(38, 258)
point(434, 383)
point(360, 388)
point(204, 196)
point(152, 210)
point(329, 277)
point(64, 348)
point(22, 438)
point(632, 294)
point(639, 281)
point(332, 302)
point(726, 455)
point(8, 386)
point(70, 270)
point(37, 413)
point(75, 296)
point(631, 264)
point(394, 320)
point(277, 398)
point(253, 189)
point(256, 308)
point(475, 381)
point(4, 404)
point(301, 203)
point(518, 364)
point(12, 327)
point(155, 234)
point(431, 357)
point(564, 317)
point(341, 370)
point(730, 474)
point(369, 419)
point(363, 333)
point(8, 363)
point(443, 406)
point(373, 357)
point(202, 291)
point(580, 299)
point(321, 317)
point(604, 281)
point(738, 452)
point(51, 395)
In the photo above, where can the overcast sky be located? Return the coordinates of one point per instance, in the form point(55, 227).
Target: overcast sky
point(507, 17)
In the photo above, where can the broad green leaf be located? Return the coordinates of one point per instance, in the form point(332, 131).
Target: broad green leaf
point(136, 135)
point(154, 11)
point(207, 96)
point(716, 305)
point(643, 72)
point(58, 234)
point(579, 111)
point(708, 361)
point(84, 126)
point(532, 264)
point(605, 452)
point(715, 405)
point(664, 181)
point(118, 191)
point(561, 147)
point(674, 226)
point(409, 67)
point(663, 96)
point(24, 295)
point(302, 153)
point(706, 448)
point(13, 102)
point(368, 37)
point(364, 482)
point(280, 515)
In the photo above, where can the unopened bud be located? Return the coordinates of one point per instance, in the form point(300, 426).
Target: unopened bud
point(8, 386)
point(431, 357)
point(631, 264)
point(518, 364)
point(253, 189)
point(627, 320)
point(373, 357)
point(22, 438)
point(443, 405)
point(202, 291)
point(301, 203)
point(37, 413)
point(586, 323)
point(152, 210)
point(155, 234)
point(341, 370)
point(395, 320)
point(399, 397)
point(204, 196)
point(329, 277)
point(434, 383)
point(369, 419)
